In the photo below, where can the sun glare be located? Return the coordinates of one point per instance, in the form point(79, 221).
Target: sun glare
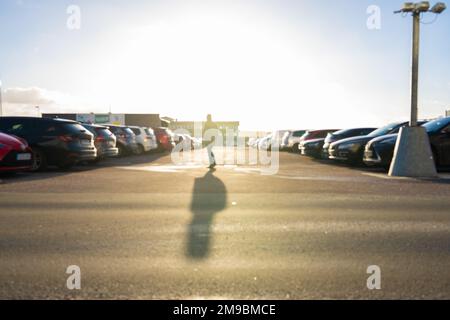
point(198, 64)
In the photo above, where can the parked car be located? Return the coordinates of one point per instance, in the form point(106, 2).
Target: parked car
point(265, 143)
point(145, 139)
point(126, 140)
point(15, 154)
point(313, 135)
point(277, 138)
point(380, 151)
point(285, 141)
point(54, 141)
point(189, 141)
point(343, 134)
point(312, 148)
point(294, 140)
point(351, 150)
point(252, 142)
point(104, 140)
point(185, 139)
point(152, 136)
point(165, 139)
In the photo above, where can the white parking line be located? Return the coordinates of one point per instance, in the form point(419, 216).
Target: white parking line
point(387, 177)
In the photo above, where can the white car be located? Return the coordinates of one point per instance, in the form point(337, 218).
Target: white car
point(252, 142)
point(265, 143)
point(145, 138)
point(285, 141)
point(277, 137)
point(294, 140)
point(188, 141)
point(197, 143)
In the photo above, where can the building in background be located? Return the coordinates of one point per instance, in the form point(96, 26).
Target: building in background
point(231, 126)
point(140, 120)
point(145, 120)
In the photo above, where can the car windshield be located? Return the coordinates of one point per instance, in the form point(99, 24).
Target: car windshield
point(136, 131)
point(436, 125)
point(321, 134)
point(91, 129)
point(73, 128)
point(299, 133)
point(306, 134)
point(343, 133)
point(128, 131)
point(384, 130)
point(104, 132)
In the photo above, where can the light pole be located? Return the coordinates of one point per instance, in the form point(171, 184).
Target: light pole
point(416, 9)
point(415, 69)
point(413, 156)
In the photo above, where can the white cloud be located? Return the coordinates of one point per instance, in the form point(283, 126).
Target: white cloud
point(33, 95)
point(24, 101)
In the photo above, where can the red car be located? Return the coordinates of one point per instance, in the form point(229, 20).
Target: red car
point(165, 139)
point(15, 154)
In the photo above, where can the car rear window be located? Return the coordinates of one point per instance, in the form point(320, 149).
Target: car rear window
point(104, 132)
point(114, 130)
point(298, 133)
point(136, 131)
point(149, 132)
point(390, 128)
point(321, 134)
point(91, 129)
point(72, 128)
point(128, 131)
point(18, 127)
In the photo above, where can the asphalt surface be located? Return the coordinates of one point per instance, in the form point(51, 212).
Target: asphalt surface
point(144, 228)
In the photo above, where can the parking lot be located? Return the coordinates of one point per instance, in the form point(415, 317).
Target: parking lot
point(142, 227)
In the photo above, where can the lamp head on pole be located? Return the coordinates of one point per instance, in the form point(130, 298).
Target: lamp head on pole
point(408, 7)
point(438, 8)
point(420, 7)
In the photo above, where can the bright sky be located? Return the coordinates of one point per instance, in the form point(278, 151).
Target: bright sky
point(267, 63)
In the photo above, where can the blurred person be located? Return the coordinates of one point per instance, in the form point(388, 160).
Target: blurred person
point(209, 140)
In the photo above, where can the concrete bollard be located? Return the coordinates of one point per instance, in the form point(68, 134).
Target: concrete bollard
point(413, 156)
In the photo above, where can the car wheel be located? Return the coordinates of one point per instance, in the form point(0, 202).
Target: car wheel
point(159, 147)
point(39, 161)
point(295, 148)
point(122, 151)
point(140, 150)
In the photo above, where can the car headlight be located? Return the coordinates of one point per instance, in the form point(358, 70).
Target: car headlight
point(350, 146)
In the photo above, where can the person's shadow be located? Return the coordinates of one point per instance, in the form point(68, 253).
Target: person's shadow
point(209, 197)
